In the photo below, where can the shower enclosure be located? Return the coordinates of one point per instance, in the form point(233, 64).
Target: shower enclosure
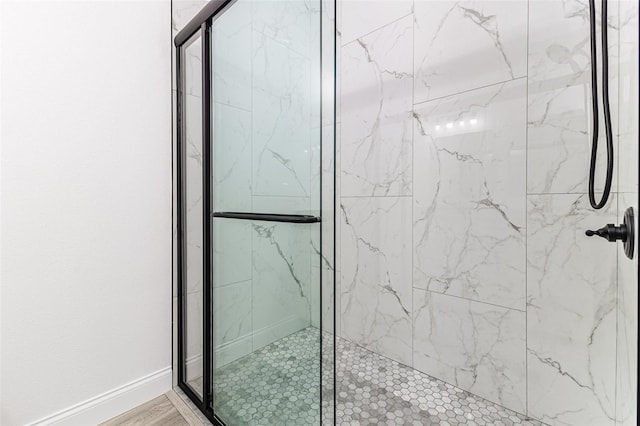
point(386, 216)
point(256, 211)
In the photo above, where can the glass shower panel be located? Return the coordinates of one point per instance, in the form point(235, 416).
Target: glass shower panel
point(266, 157)
point(193, 214)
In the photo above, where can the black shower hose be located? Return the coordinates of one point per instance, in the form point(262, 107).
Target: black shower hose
point(605, 102)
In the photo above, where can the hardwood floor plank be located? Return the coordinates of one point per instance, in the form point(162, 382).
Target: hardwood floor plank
point(157, 412)
point(184, 409)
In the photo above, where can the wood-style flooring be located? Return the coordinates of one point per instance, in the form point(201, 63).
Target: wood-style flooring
point(166, 410)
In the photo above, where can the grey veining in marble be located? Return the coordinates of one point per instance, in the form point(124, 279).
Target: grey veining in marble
point(469, 195)
point(376, 274)
point(571, 312)
point(559, 112)
point(463, 45)
point(376, 112)
point(475, 346)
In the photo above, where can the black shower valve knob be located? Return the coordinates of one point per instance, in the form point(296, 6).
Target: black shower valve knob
point(624, 232)
point(610, 232)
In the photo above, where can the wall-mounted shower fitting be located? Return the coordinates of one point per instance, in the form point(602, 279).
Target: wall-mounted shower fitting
point(594, 105)
point(624, 232)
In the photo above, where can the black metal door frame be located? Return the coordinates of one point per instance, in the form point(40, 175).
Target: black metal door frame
point(198, 27)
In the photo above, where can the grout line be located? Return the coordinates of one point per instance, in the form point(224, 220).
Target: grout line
point(378, 28)
point(470, 300)
point(230, 106)
point(522, 77)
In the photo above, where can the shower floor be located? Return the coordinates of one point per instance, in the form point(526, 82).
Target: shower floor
point(278, 385)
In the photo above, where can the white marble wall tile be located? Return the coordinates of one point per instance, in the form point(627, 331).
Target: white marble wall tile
point(288, 22)
point(476, 346)
point(322, 299)
point(628, 97)
point(283, 205)
point(571, 312)
point(469, 195)
point(330, 300)
point(323, 197)
point(281, 280)
point(181, 13)
point(193, 193)
point(278, 70)
point(376, 274)
point(627, 329)
point(193, 335)
point(281, 120)
point(231, 56)
point(232, 321)
point(361, 17)
point(231, 158)
point(376, 112)
point(315, 296)
point(315, 169)
point(559, 129)
point(231, 260)
point(192, 57)
point(463, 45)
point(329, 58)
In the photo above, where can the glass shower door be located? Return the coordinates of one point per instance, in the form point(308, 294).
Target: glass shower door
point(265, 221)
point(256, 211)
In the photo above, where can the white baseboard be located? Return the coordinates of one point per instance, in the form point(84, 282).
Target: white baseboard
point(112, 403)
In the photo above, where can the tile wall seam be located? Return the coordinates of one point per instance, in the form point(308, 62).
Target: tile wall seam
point(471, 300)
point(486, 86)
point(377, 29)
point(230, 106)
point(232, 283)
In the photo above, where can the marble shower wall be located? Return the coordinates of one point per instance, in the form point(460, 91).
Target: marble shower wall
point(464, 140)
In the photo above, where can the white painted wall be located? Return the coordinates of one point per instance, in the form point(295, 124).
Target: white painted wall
point(86, 204)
